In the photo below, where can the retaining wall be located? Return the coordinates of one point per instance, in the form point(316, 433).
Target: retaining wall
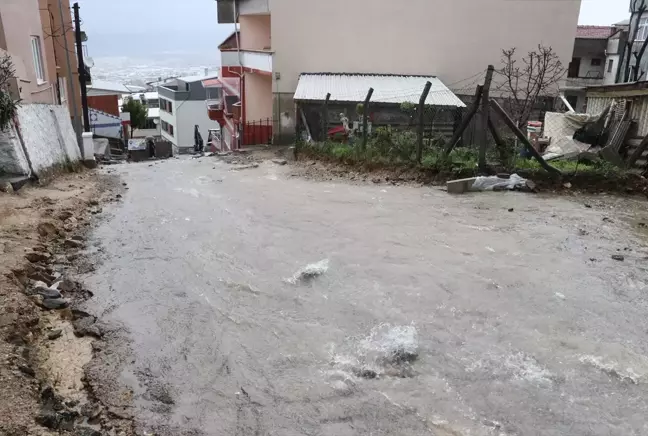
point(42, 135)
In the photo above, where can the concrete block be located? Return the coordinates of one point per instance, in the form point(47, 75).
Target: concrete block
point(460, 186)
point(88, 150)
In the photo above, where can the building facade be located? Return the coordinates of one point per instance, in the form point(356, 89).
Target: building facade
point(595, 61)
point(281, 39)
point(57, 36)
point(22, 37)
point(182, 108)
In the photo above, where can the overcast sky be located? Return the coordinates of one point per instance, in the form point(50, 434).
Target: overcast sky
point(115, 26)
point(603, 12)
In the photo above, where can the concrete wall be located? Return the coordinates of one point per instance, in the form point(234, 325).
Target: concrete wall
point(452, 40)
point(47, 134)
point(589, 70)
point(255, 32)
point(21, 19)
point(610, 73)
point(254, 7)
point(173, 120)
point(258, 97)
point(12, 157)
point(188, 115)
point(283, 110)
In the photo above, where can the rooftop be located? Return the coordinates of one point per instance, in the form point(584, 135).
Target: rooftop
point(395, 89)
point(192, 79)
point(106, 87)
point(594, 32)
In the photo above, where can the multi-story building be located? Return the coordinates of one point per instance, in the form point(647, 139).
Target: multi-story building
point(280, 39)
point(595, 60)
point(182, 108)
point(22, 37)
point(59, 37)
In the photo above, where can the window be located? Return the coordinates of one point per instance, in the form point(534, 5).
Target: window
point(62, 86)
point(166, 105)
point(167, 127)
point(37, 53)
point(596, 62)
point(610, 65)
point(642, 32)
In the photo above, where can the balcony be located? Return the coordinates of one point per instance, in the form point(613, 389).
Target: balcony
point(226, 11)
point(215, 110)
point(259, 60)
point(582, 82)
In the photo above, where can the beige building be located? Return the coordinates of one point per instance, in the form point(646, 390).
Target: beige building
point(54, 45)
point(22, 37)
point(280, 39)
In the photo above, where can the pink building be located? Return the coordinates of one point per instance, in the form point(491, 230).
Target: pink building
point(241, 98)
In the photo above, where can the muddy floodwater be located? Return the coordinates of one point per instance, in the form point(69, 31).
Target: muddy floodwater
point(421, 313)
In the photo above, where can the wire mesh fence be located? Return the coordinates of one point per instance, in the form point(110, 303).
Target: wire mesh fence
point(398, 129)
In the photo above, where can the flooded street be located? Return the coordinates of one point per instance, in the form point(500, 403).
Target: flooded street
point(437, 314)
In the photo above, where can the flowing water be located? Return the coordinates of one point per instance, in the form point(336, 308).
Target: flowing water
point(267, 305)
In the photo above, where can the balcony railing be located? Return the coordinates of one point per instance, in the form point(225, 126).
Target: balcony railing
point(260, 60)
point(583, 82)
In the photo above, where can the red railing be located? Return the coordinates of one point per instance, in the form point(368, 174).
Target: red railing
point(257, 132)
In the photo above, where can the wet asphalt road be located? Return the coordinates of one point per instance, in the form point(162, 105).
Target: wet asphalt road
point(524, 324)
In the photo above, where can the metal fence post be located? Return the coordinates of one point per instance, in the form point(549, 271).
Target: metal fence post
point(325, 118)
point(485, 114)
point(365, 112)
point(419, 130)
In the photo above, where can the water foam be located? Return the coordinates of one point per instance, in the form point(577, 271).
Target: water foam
point(309, 272)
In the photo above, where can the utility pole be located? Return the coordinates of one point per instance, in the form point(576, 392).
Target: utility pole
point(82, 71)
point(76, 121)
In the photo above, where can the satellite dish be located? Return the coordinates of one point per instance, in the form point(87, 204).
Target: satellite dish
point(89, 62)
point(156, 121)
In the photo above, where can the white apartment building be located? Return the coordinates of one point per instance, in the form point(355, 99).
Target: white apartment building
point(182, 107)
point(280, 39)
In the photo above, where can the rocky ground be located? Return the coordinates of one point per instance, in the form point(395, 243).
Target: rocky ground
point(46, 343)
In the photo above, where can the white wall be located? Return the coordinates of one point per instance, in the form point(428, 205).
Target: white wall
point(189, 114)
point(12, 156)
point(104, 124)
point(450, 39)
point(48, 137)
point(589, 70)
point(254, 7)
point(610, 76)
point(171, 119)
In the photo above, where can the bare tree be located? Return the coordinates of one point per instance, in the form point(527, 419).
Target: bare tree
point(8, 105)
point(632, 72)
point(525, 81)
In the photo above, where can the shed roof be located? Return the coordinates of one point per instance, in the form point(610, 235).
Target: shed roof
point(387, 88)
point(594, 32)
point(629, 89)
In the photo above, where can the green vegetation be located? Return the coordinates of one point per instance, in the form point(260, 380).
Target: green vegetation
point(8, 106)
point(138, 113)
point(392, 148)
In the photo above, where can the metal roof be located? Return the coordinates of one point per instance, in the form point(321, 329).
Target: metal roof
point(107, 87)
point(387, 88)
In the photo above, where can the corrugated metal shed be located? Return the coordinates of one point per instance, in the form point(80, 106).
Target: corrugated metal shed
point(387, 89)
point(638, 109)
